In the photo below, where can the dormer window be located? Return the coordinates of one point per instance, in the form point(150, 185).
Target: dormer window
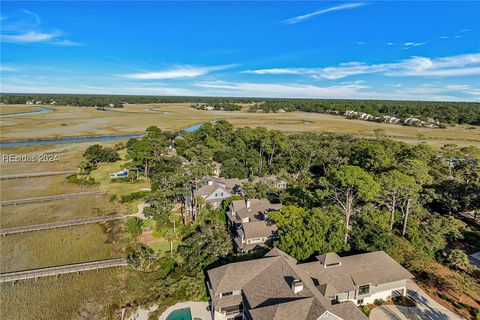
point(226, 294)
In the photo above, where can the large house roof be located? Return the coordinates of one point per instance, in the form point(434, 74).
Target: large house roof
point(207, 189)
point(256, 206)
point(257, 229)
point(267, 289)
point(374, 268)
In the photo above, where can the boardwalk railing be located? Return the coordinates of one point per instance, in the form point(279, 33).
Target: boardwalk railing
point(59, 224)
point(55, 271)
point(49, 198)
point(38, 174)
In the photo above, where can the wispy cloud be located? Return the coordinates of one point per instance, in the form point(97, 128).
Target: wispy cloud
point(26, 30)
point(29, 37)
point(460, 65)
point(185, 71)
point(353, 90)
point(408, 45)
point(304, 17)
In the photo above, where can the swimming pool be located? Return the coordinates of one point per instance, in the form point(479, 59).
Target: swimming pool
point(180, 314)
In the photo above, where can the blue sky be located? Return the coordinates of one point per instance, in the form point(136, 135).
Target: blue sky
point(367, 50)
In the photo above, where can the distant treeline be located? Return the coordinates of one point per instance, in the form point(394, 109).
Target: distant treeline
point(445, 112)
point(109, 100)
point(222, 106)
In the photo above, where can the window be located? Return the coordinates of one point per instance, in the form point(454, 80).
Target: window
point(216, 195)
point(226, 294)
point(363, 290)
point(221, 194)
point(360, 301)
point(332, 264)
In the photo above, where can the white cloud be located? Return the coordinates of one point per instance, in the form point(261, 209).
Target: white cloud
point(413, 44)
point(361, 43)
point(343, 91)
point(443, 37)
point(186, 71)
point(465, 30)
point(460, 65)
point(304, 17)
point(26, 31)
point(390, 43)
point(29, 37)
point(7, 68)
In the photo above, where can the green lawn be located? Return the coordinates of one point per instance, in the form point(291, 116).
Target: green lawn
point(102, 175)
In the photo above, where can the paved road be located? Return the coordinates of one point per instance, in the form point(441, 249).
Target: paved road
point(49, 198)
point(426, 309)
point(59, 224)
point(54, 271)
point(35, 175)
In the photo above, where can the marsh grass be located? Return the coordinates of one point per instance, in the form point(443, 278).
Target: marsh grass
point(57, 247)
point(133, 119)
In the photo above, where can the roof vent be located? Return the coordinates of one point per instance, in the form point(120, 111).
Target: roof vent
point(297, 286)
point(210, 182)
point(247, 203)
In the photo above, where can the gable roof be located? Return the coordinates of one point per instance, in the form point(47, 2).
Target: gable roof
point(266, 286)
point(256, 206)
point(257, 229)
point(234, 276)
point(329, 258)
point(374, 267)
point(207, 189)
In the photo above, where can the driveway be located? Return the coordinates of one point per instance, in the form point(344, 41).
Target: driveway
point(426, 309)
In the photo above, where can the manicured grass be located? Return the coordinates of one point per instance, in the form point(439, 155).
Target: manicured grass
point(39, 187)
point(133, 119)
point(37, 213)
point(102, 175)
point(57, 247)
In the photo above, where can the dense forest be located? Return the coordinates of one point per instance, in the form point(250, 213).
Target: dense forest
point(344, 194)
point(444, 112)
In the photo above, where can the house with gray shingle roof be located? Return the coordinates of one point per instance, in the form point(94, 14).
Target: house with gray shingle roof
point(278, 287)
point(250, 225)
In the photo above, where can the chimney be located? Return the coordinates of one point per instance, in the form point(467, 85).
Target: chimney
point(297, 286)
point(247, 203)
point(210, 182)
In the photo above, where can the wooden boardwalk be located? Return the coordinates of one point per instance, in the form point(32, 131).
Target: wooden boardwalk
point(49, 198)
point(36, 175)
point(59, 224)
point(58, 270)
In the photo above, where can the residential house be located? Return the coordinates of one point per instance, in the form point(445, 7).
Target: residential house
point(278, 287)
point(250, 225)
point(212, 193)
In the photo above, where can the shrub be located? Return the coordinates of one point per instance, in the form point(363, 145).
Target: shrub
point(82, 180)
point(134, 226)
point(134, 196)
point(365, 310)
point(378, 302)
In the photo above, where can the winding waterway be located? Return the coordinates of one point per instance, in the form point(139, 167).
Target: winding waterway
point(26, 113)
